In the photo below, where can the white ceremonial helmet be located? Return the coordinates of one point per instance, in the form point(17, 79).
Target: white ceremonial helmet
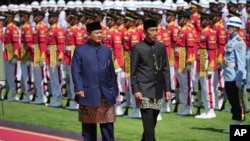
point(130, 5)
point(22, 7)
point(87, 4)
point(168, 5)
point(234, 21)
point(52, 3)
point(157, 4)
point(70, 4)
point(3, 8)
point(61, 3)
point(174, 7)
point(97, 4)
point(44, 3)
point(35, 4)
point(118, 5)
point(108, 4)
point(233, 1)
point(223, 1)
point(13, 7)
point(204, 4)
point(28, 8)
point(186, 5)
point(78, 4)
point(180, 3)
point(242, 1)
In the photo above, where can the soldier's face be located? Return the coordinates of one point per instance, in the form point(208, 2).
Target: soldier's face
point(221, 5)
point(96, 36)
point(231, 30)
point(151, 34)
point(241, 6)
point(7, 20)
point(248, 9)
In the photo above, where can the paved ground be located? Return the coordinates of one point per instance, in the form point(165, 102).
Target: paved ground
point(40, 129)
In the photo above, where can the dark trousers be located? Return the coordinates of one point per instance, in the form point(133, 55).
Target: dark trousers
point(235, 99)
point(149, 120)
point(89, 131)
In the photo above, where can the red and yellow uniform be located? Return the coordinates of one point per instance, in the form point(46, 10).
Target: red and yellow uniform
point(84, 33)
point(55, 45)
point(105, 38)
point(221, 41)
point(74, 38)
point(184, 49)
point(243, 35)
point(164, 37)
point(173, 29)
point(195, 20)
point(26, 42)
point(1, 34)
point(131, 37)
point(207, 51)
point(248, 31)
point(11, 42)
point(140, 32)
point(38, 54)
point(115, 43)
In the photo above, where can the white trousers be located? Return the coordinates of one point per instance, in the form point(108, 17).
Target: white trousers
point(186, 86)
point(55, 80)
point(207, 91)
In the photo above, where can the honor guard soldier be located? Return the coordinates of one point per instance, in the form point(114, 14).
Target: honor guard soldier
point(214, 5)
point(234, 70)
point(242, 11)
point(224, 10)
point(61, 6)
point(221, 35)
point(54, 58)
point(204, 6)
point(184, 52)
point(26, 48)
point(207, 52)
point(173, 28)
point(11, 52)
point(82, 21)
point(4, 61)
point(74, 38)
point(38, 56)
point(115, 43)
point(195, 24)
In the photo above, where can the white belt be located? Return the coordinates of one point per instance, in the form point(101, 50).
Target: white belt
point(176, 50)
point(34, 46)
point(48, 47)
point(230, 64)
point(69, 48)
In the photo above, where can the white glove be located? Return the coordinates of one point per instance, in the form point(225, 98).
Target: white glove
point(42, 64)
point(14, 61)
point(239, 84)
point(28, 63)
point(118, 70)
point(58, 63)
point(209, 73)
point(189, 67)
